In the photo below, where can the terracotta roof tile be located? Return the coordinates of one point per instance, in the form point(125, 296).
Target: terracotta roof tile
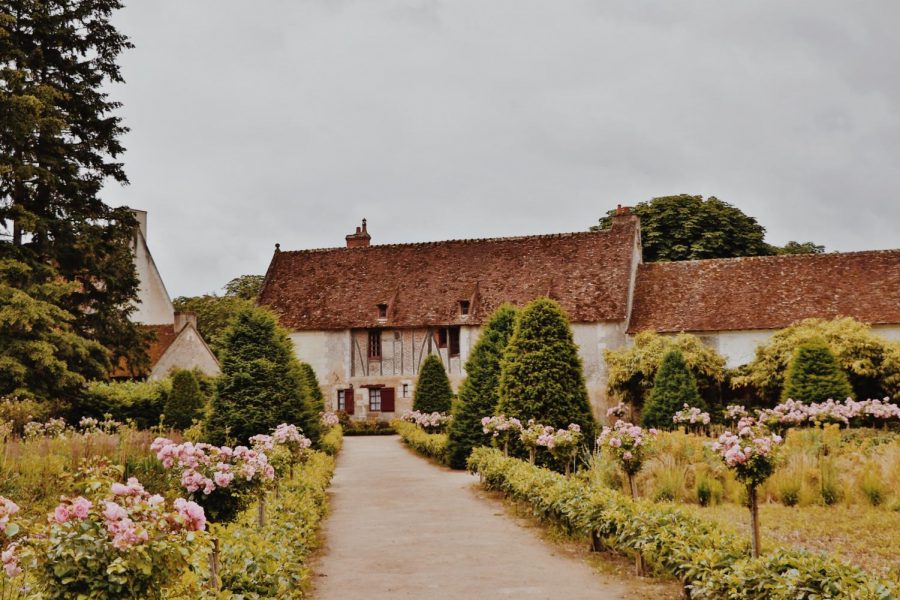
point(766, 292)
point(165, 336)
point(339, 288)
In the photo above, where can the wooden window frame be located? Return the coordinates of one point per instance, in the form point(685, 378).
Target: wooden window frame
point(382, 311)
point(440, 337)
point(464, 307)
point(374, 350)
point(374, 393)
point(453, 342)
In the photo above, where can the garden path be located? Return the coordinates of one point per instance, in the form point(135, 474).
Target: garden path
point(402, 527)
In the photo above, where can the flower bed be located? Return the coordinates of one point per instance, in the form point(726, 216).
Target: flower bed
point(710, 563)
point(432, 445)
point(332, 440)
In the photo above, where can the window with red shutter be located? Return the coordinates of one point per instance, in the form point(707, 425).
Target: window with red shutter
point(345, 401)
point(387, 399)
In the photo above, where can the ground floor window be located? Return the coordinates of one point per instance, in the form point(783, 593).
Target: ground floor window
point(345, 401)
point(375, 399)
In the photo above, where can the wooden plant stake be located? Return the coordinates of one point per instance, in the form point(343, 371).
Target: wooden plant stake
point(261, 511)
point(214, 565)
point(639, 567)
point(754, 520)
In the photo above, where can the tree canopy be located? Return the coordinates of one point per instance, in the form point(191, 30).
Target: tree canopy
point(433, 391)
point(479, 393)
point(185, 402)
point(686, 227)
point(673, 387)
point(814, 375)
point(60, 142)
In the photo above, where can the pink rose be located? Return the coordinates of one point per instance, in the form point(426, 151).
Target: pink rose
point(61, 514)
point(80, 507)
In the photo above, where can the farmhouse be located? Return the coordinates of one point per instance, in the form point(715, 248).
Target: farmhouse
point(365, 316)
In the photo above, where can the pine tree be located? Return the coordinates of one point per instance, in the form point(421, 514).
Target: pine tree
point(261, 384)
point(541, 375)
point(59, 144)
point(185, 401)
point(479, 394)
point(433, 391)
point(313, 388)
point(673, 387)
point(815, 376)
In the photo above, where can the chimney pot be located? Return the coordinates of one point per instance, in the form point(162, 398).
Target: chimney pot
point(360, 239)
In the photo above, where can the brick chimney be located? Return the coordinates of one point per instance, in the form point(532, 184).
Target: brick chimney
point(182, 319)
point(360, 239)
point(623, 216)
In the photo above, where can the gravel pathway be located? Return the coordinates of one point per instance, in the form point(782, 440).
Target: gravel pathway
point(401, 527)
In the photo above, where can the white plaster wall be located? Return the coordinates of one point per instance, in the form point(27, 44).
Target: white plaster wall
point(154, 305)
point(891, 332)
point(737, 347)
point(188, 351)
point(328, 353)
point(592, 340)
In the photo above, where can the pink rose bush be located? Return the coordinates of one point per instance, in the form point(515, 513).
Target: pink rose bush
point(285, 447)
point(223, 480)
point(563, 444)
point(501, 429)
point(127, 544)
point(434, 422)
point(793, 413)
point(692, 418)
point(9, 556)
point(628, 444)
point(329, 419)
point(534, 435)
point(734, 413)
point(617, 412)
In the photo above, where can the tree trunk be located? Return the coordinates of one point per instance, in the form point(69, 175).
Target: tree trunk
point(531, 455)
point(506, 448)
point(214, 565)
point(639, 568)
point(754, 520)
point(261, 511)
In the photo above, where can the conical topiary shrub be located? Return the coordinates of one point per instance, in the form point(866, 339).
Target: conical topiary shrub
point(814, 375)
point(479, 394)
point(261, 385)
point(673, 387)
point(312, 387)
point(433, 391)
point(185, 401)
point(541, 375)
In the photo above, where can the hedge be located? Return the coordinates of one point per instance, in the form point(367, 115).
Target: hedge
point(432, 445)
point(709, 562)
point(332, 441)
point(140, 401)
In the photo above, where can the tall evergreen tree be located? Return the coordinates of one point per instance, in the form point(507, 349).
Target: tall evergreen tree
point(185, 401)
point(59, 144)
point(261, 383)
point(313, 388)
point(673, 387)
point(815, 376)
point(541, 375)
point(479, 394)
point(433, 391)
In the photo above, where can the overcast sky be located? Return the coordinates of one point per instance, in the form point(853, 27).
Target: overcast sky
point(290, 120)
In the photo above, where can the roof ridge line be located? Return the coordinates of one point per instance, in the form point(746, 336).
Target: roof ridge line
point(771, 257)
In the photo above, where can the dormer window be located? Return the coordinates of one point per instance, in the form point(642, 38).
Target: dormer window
point(464, 307)
point(382, 311)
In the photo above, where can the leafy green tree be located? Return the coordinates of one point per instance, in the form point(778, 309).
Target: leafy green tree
point(870, 361)
point(673, 387)
point(815, 376)
point(632, 370)
point(541, 375)
point(245, 286)
point(59, 144)
point(41, 354)
point(312, 387)
point(798, 248)
point(185, 402)
point(479, 392)
point(433, 391)
point(214, 315)
point(261, 384)
point(686, 227)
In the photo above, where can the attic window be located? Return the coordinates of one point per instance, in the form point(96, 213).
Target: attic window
point(382, 311)
point(464, 307)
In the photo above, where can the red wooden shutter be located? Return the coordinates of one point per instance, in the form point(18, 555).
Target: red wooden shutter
point(349, 402)
point(387, 399)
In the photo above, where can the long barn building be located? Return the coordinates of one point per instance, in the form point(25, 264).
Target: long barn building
point(365, 316)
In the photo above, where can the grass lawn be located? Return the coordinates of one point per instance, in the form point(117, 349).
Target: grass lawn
point(866, 537)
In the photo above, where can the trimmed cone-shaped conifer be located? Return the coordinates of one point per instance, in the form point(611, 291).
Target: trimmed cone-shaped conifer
point(541, 375)
point(313, 388)
point(185, 401)
point(433, 391)
point(673, 387)
point(479, 393)
point(261, 384)
point(815, 376)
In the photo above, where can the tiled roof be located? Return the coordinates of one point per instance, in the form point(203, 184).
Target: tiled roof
point(165, 336)
point(587, 273)
point(766, 292)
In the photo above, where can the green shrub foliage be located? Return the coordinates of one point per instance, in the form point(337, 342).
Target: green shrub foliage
point(673, 387)
point(433, 391)
point(431, 445)
point(312, 387)
point(261, 384)
point(815, 376)
point(541, 375)
point(478, 394)
point(185, 403)
point(140, 401)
